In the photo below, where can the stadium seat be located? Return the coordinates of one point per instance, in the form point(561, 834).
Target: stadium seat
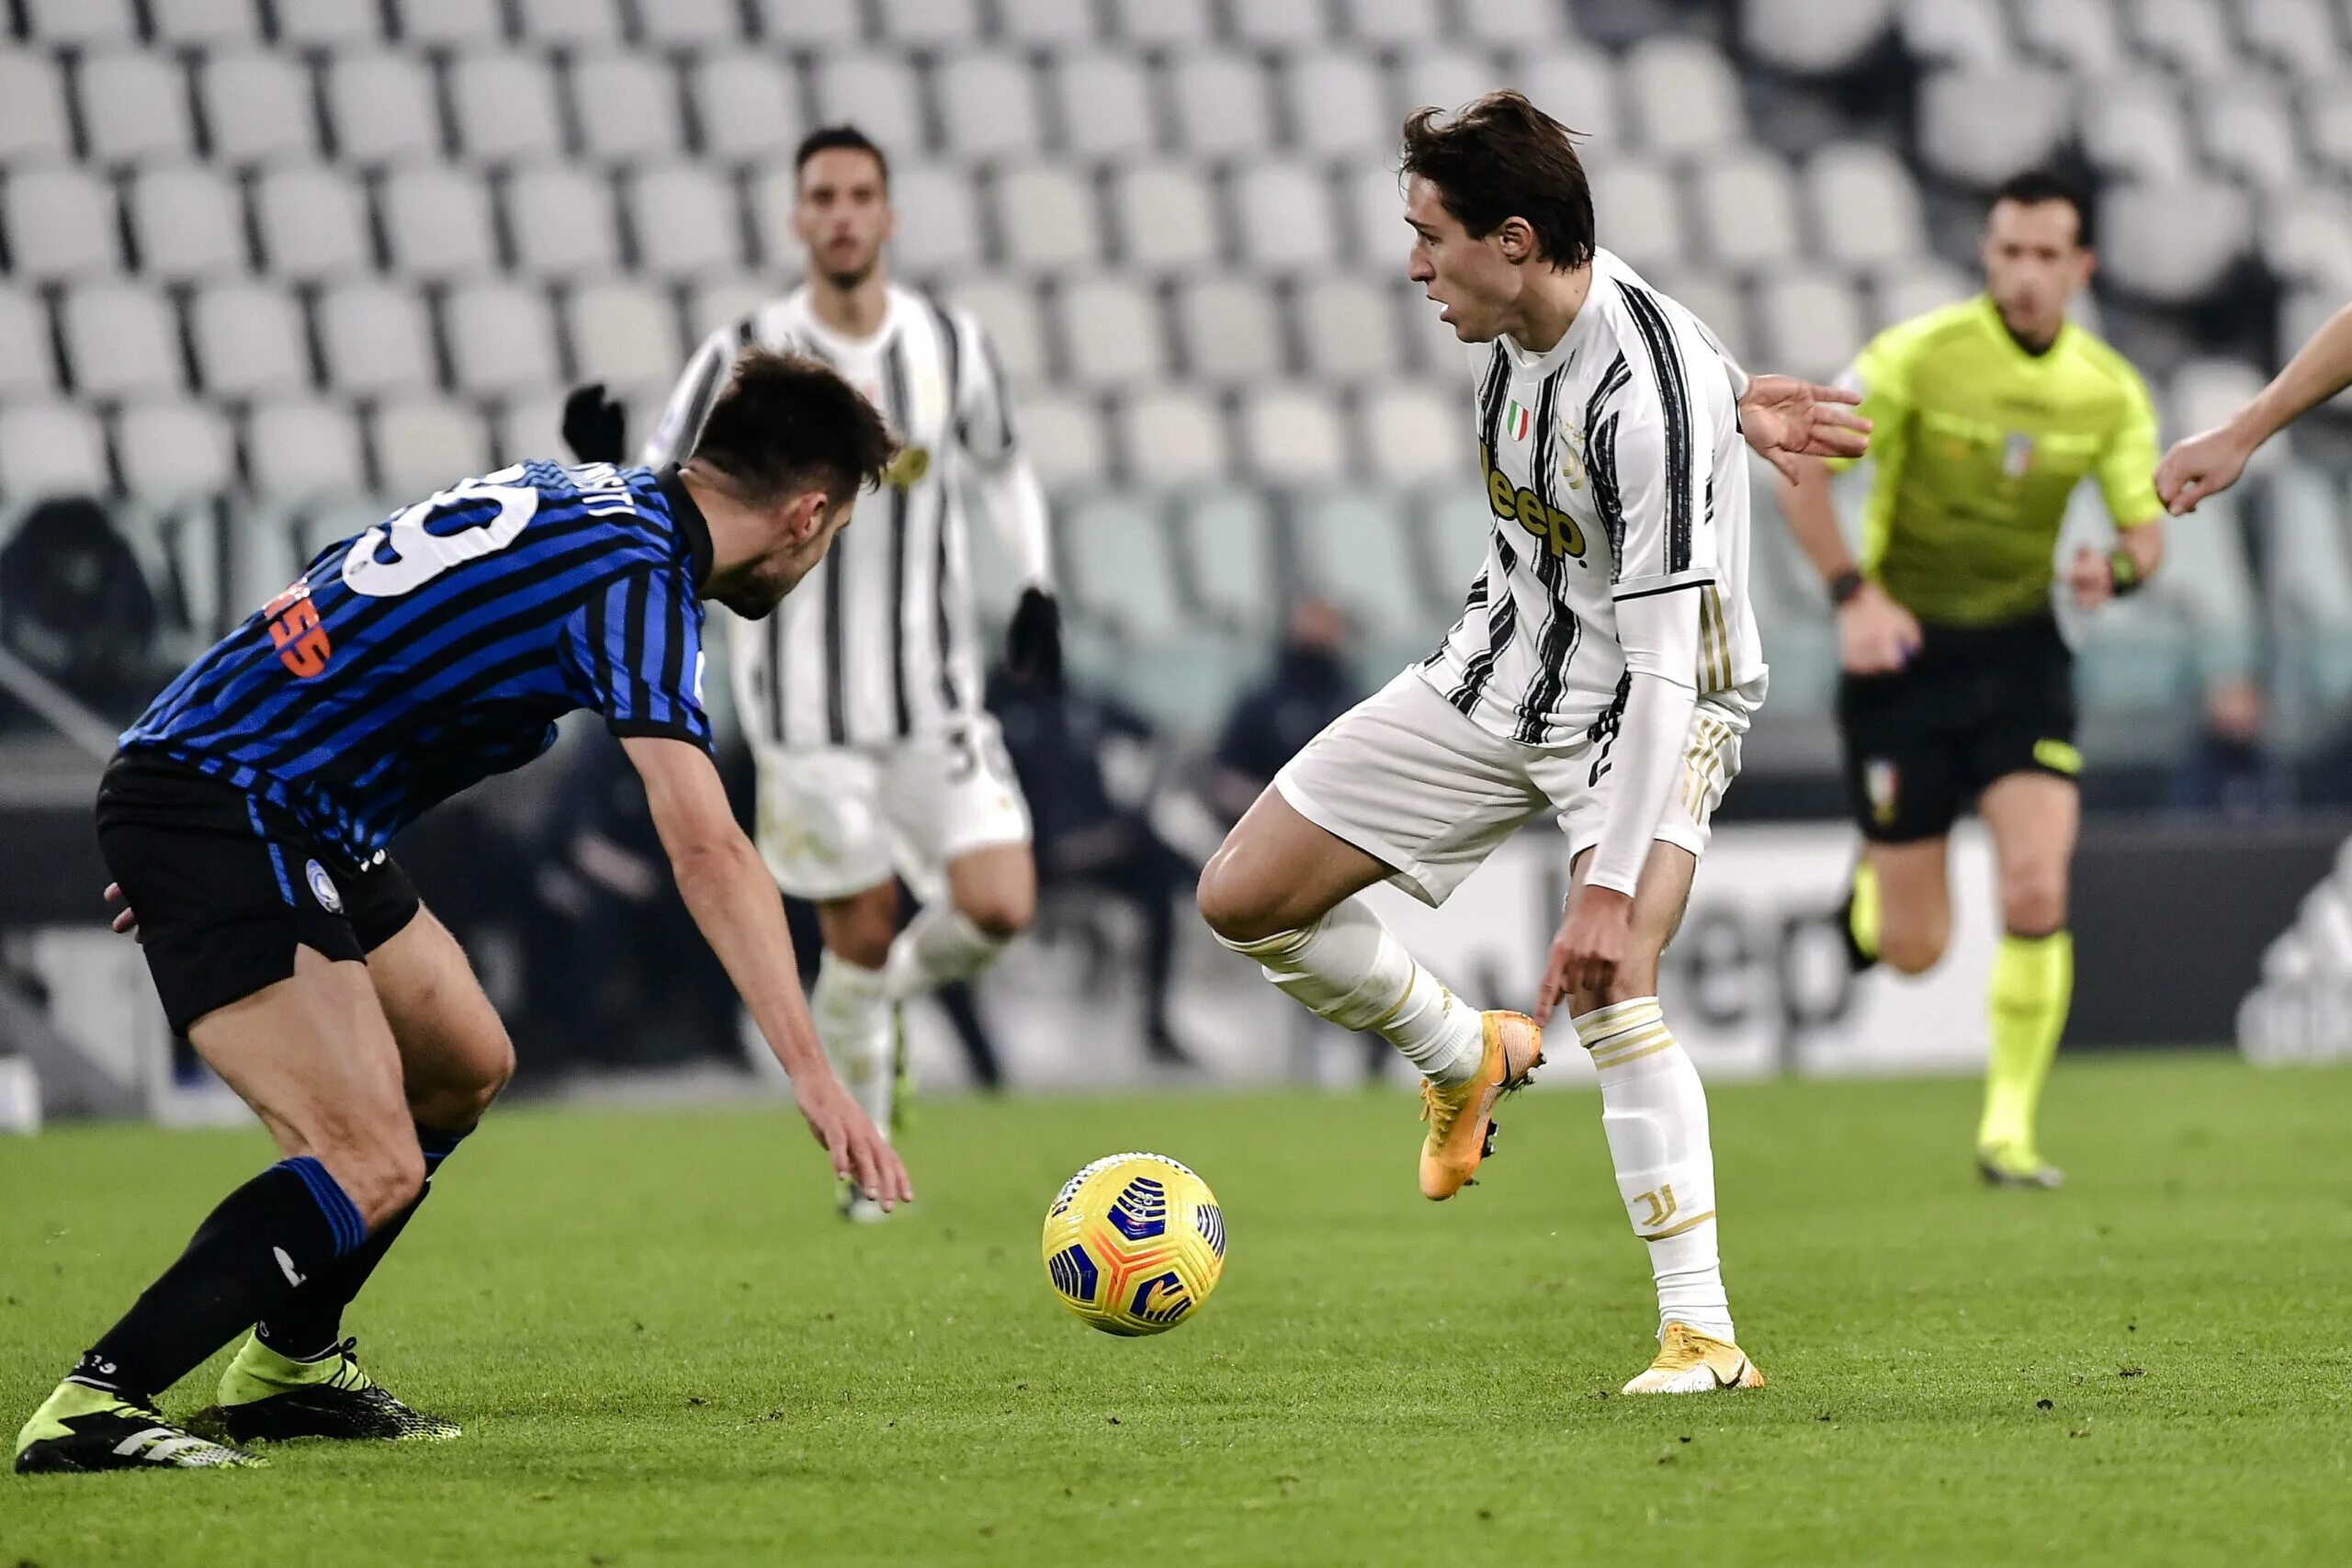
point(1392, 22)
point(1348, 326)
point(1747, 207)
point(424, 445)
point(121, 341)
point(1411, 434)
point(298, 449)
point(1105, 106)
point(722, 304)
point(1046, 214)
point(2083, 36)
point(1230, 334)
point(256, 106)
point(249, 341)
point(2190, 36)
point(185, 223)
point(1353, 551)
point(1579, 88)
point(311, 224)
point(1685, 98)
point(1638, 214)
point(531, 430)
point(1279, 27)
point(1373, 197)
point(1913, 289)
point(1292, 434)
point(1222, 108)
point(50, 449)
point(2149, 252)
point(685, 221)
point(691, 24)
point(27, 364)
point(1448, 529)
point(2307, 238)
point(173, 450)
point(1431, 344)
point(333, 23)
point(1062, 440)
point(1807, 39)
point(1337, 102)
point(1122, 565)
point(1226, 551)
point(572, 22)
point(989, 102)
point(2308, 580)
point(471, 23)
point(803, 24)
point(929, 22)
point(627, 108)
point(2205, 391)
point(1181, 23)
point(61, 224)
point(1053, 22)
point(1166, 220)
point(1979, 128)
point(626, 336)
point(1282, 213)
point(1111, 326)
point(1716, 300)
point(380, 108)
point(503, 102)
point(2327, 126)
point(1008, 313)
point(1972, 34)
point(2208, 581)
point(501, 339)
point(1514, 22)
point(377, 339)
point(33, 123)
point(2248, 131)
point(81, 21)
point(1174, 436)
point(205, 22)
point(1865, 206)
point(1808, 324)
point(2294, 35)
point(1441, 78)
point(877, 93)
point(747, 105)
point(938, 231)
point(2137, 125)
point(562, 221)
point(135, 105)
point(438, 223)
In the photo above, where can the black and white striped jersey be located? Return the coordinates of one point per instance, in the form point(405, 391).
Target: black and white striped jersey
point(879, 642)
point(1613, 468)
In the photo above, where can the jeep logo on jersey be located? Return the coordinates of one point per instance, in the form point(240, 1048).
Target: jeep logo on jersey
point(323, 887)
point(1525, 507)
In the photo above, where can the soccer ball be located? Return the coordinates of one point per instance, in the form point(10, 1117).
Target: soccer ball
point(1134, 1244)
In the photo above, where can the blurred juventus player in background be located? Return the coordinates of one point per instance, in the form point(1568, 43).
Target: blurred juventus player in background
point(861, 696)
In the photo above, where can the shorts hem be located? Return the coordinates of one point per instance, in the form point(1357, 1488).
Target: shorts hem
point(1405, 871)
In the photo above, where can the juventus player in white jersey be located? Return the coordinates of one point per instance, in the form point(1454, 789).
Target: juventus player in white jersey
point(862, 694)
point(1605, 668)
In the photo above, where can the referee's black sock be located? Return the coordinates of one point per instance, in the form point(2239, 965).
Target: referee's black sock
point(245, 1259)
point(310, 1324)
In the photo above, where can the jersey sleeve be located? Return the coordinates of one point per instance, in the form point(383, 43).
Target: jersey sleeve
point(1657, 460)
point(681, 418)
point(636, 648)
point(984, 424)
point(2127, 464)
point(1882, 373)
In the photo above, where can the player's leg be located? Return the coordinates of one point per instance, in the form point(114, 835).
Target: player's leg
point(1401, 788)
point(855, 1014)
point(962, 833)
point(1901, 913)
point(1903, 784)
point(2033, 819)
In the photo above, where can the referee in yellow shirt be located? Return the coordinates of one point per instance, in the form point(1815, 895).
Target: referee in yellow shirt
point(1957, 685)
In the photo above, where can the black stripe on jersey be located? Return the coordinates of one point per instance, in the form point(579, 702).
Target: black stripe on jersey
point(836, 678)
point(1600, 468)
point(1613, 380)
point(633, 598)
point(1674, 400)
point(1502, 614)
point(897, 409)
point(776, 678)
point(1005, 439)
point(952, 347)
point(1556, 646)
point(674, 677)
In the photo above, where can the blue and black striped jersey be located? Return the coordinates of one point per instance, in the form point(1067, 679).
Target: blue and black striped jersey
point(440, 646)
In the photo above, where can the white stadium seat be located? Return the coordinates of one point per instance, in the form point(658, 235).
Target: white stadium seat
point(1222, 105)
point(2149, 252)
point(1173, 22)
point(1808, 324)
point(33, 122)
point(1283, 215)
point(691, 24)
point(28, 365)
point(627, 106)
point(249, 341)
point(1579, 88)
point(1008, 313)
point(1685, 97)
point(2192, 36)
point(135, 105)
point(1972, 34)
point(929, 21)
point(1515, 23)
point(186, 223)
point(1440, 78)
point(1174, 436)
point(626, 336)
point(563, 222)
point(2297, 36)
point(312, 223)
point(2307, 238)
point(1047, 214)
point(377, 339)
point(301, 448)
point(1292, 434)
point(208, 22)
point(504, 105)
point(476, 23)
point(878, 92)
point(988, 104)
point(1747, 207)
point(380, 108)
point(256, 106)
point(1865, 205)
point(1063, 439)
point(1393, 21)
point(1349, 328)
point(2327, 128)
point(1716, 300)
point(438, 223)
point(1374, 197)
point(2248, 131)
point(1638, 213)
point(1226, 539)
point(1112, 328)
point(1916, 288)
point(2137, 125)
point(501, 339)
point(1279, 27)
point(716, 305)
point(1122, 564)
point(685, 222)
point(51, 449)
point(1353, 551)
point(81, 21)
point(121, 341)
point(1056, 22)
point(1808, 39)
point(1229, 330)
point(173, 449)
point(336, 23)
point(748, 104)
point(425, 445)
point(804, 23)
point(572, 22)
point(1337, 101)
point(1167, 219)
point(1105, 101)
point(939, 220)
point(1979, 128)
point(1413, 434)
point(2081, 35)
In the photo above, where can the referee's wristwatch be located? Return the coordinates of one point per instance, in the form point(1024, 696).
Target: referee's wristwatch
point(1845, 585)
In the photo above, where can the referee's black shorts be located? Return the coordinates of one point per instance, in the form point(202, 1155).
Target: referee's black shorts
point(1974, 704)
point(226, 886)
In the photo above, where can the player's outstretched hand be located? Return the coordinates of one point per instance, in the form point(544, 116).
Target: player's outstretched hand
point(859, 1151)
point(2199, 467)
point(595, 426)
point(126, 922)
point(1585, 953)
point(1033, 646)
point(1784, 418)
point(1875, 634)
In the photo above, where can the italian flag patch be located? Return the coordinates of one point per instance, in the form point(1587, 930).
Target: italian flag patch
point(1517, 419)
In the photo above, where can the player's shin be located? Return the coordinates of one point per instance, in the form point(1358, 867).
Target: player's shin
point(1347, 968)
point(1654, 1111)
point(853, 1007)
point(310, 1325)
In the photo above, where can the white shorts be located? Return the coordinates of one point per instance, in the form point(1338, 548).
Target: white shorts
point(838, 820)
point(1409, 781)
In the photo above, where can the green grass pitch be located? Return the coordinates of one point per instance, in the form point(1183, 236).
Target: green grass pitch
point(665, 1348)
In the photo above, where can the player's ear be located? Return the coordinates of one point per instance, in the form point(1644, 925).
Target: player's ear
point(1516, 239)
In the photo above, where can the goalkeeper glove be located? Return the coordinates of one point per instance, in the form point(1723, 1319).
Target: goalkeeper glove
point(1034, 648)
point(595, 426)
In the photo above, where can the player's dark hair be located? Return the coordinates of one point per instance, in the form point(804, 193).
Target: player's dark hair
point(2034, 186)
point(786, 422)
point(1500, 157)
point(826, 137)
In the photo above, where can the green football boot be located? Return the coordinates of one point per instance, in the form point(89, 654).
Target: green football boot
point(268, 1397)
point(83, 1428)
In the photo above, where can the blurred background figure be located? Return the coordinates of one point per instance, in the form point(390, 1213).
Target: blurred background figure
point(2228, 770)
point(75, 605)
point(1311, 684)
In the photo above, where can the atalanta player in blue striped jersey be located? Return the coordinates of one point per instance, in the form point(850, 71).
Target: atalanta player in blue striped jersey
point(246, 817)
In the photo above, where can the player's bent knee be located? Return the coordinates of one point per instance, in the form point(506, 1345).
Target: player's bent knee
point(1001, 916)
point(1233, 908)
point(1914, 949)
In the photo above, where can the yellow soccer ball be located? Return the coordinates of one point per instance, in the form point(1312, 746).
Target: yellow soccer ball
point(1134, 1244)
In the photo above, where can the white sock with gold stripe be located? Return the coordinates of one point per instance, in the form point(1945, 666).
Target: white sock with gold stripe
point(1655, 1113)
point(1346, 968)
